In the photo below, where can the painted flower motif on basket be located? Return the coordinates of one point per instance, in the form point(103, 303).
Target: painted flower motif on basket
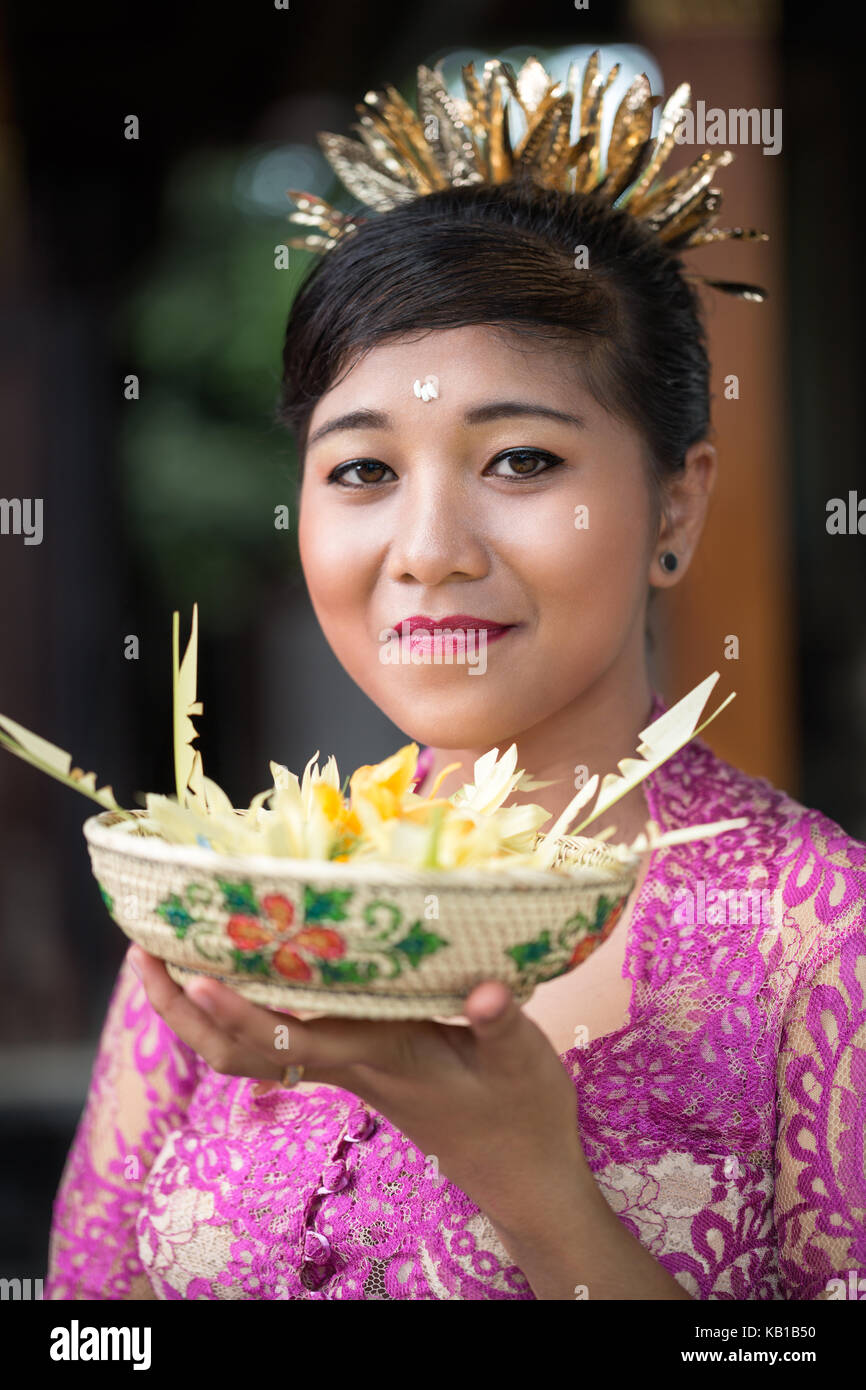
point(607, 914)
point(272, 937)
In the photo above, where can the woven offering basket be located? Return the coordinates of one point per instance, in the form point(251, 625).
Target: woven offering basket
point(362, 940)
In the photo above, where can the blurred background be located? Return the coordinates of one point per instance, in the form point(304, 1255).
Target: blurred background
point(141, 323)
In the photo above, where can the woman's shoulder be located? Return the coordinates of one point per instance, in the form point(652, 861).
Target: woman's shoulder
point(813, 868)
point(721, 788)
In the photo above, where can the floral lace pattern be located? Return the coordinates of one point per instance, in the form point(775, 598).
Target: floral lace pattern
point(724, 1123)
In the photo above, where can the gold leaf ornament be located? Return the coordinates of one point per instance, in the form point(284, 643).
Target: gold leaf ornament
point(455, 141)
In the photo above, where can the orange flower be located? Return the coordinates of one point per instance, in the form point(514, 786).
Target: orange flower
point(613, 919)
point(290, 964)
point(279, 910)
point(587, 945)
point(323, 942)
point(247, 932)
point(583, 949)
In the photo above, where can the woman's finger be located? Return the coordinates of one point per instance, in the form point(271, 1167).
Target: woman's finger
point(213, 1019)
point(198, 1028)
point(500, 1029)
point(320, 1044)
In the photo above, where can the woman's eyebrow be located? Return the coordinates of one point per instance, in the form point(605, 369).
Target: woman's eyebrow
point(355, 420)
point(476, 415)
point(496, 410)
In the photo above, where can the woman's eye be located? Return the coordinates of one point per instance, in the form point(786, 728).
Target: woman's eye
point(362, 477)
point(525, 463)
point(363, 474)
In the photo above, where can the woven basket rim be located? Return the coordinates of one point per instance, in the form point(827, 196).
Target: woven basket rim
point(101, 833)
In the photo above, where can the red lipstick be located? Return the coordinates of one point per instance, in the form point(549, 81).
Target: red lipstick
point(455, 634)
point(420, 622)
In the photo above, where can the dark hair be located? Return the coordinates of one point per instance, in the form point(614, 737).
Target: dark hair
point(504, 255)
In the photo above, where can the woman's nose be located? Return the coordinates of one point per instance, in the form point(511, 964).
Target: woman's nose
point(437, 535)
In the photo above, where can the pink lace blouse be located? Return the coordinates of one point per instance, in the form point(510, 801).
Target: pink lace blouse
point(724, 1123)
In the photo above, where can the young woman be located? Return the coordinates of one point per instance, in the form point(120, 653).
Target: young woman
point(682, 1115)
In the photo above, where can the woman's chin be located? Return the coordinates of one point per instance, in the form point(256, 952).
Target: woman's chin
point(478, 729)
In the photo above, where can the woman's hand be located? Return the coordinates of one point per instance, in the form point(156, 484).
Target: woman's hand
point(490, 1100)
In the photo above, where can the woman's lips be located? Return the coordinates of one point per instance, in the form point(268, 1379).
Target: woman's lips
point(454, 639)
point(454, 634)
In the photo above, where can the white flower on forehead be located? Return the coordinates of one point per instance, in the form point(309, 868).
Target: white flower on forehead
point(428, 389)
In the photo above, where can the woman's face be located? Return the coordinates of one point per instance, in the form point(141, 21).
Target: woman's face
point(511, 498)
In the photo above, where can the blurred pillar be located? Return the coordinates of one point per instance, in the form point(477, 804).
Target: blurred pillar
point(740, 583)
point(39, 976)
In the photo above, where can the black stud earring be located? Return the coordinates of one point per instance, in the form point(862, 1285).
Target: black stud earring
point(668, 561)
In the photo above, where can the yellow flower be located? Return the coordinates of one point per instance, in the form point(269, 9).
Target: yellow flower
point(424, 812)
point(383, 785)
point(335, 810)
point(385, 818)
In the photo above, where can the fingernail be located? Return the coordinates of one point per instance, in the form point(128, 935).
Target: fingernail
point(134, 963)
point(202, 998)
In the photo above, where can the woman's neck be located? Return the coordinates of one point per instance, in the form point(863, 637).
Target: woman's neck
point(589, 736)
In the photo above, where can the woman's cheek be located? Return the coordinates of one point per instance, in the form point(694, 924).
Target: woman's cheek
point(587, 580)
point(608, 539)
point(333, 561)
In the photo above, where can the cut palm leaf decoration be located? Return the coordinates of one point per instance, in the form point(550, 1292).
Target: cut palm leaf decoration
point(383, 818)
point(193, 788)
point(660, 740)
point(58, 764)
point(188, 772)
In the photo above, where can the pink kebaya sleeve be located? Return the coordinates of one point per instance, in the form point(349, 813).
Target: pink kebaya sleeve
point(142, 1081)
point(820, 1162)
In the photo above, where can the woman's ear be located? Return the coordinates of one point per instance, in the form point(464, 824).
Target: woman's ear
point(683, 512)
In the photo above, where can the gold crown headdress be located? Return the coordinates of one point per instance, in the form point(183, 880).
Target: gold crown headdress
point(454, 141)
